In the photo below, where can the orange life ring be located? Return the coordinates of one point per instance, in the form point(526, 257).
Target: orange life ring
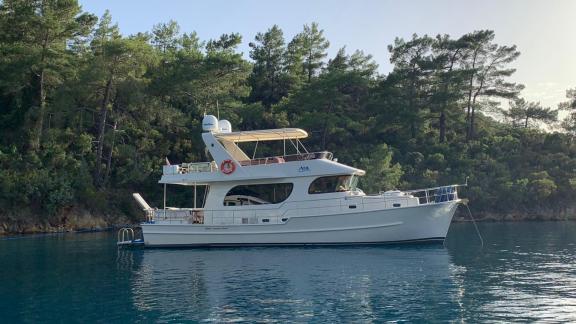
point(227, 167)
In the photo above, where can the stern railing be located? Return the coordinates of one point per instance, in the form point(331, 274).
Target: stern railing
point(185, 168)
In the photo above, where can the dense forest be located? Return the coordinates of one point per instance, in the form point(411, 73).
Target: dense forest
point(88, 115)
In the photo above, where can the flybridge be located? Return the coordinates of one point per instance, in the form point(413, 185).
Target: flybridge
point(231, 162)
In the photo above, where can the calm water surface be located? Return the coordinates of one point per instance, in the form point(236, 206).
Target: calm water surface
point(525, 272)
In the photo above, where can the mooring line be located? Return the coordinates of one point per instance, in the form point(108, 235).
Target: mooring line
point(475, 226)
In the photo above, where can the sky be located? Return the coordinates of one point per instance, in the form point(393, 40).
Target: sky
point(544, 31)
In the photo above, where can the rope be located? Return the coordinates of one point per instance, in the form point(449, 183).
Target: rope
point(475, 226)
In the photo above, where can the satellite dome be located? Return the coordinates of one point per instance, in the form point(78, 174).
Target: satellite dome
point(225, 126)
point(210, 123)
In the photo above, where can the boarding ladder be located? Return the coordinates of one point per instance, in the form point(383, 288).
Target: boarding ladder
point(126, 237)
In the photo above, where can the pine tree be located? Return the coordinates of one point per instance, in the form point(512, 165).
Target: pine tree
point(487, 63)
point(522, 112)
point(268, 79)
point(308, 49)
point(569, 122)
point(115, 60)
point(413, 69)
point(165, 36)
point(38, 35)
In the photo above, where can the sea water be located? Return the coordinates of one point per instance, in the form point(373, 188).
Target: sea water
point(525, 271)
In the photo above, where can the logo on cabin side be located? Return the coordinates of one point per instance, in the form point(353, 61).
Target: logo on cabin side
point(304, 168)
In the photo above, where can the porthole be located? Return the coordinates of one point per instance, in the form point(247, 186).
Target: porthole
point(396, 205)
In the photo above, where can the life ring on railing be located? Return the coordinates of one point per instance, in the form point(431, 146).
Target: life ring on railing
point(227, 167)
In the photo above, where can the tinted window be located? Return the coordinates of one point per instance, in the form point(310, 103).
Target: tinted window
point(260, 194)
point(330, 184)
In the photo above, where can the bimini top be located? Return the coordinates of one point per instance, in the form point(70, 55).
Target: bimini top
point(263, 135)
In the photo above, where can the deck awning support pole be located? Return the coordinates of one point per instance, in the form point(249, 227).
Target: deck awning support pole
point(164, 201)
point(195, 195)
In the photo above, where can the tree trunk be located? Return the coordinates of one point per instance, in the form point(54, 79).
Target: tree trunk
point(40, 104)
point(109, 160)
point(469, 113)
point(526, 122)
point(310, 66)
point(471, 128)
point(442, 121)
point(442, 127)
point(102, 130)
point(38, 115)
point(469, 105)
point(473, 114)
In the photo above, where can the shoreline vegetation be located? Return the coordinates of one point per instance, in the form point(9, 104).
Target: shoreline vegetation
point(84, 222)
point(89, 115)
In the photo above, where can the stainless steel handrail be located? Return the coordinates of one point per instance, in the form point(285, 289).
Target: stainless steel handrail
point(435, 194)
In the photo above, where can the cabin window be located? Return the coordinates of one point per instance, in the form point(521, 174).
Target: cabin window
point(331, 184)
point(258, 194)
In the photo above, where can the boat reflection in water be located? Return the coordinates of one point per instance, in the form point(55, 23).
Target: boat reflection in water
point(262, 284)
point(525, 272)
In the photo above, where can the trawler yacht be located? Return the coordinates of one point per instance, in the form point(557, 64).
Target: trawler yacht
point(294, 198)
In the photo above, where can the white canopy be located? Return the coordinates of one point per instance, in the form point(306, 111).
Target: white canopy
point(263, 135)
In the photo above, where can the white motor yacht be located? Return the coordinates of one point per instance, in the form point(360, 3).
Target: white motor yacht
point(295, 198)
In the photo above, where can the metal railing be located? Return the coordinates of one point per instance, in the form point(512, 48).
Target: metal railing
point(185, 168)
point(190, 216)
point(308, 156)
point(201, 216)
point(288, 158)
point(435, 195)
point(214, 217)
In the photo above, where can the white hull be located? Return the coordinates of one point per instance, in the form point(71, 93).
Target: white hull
point(418, 223)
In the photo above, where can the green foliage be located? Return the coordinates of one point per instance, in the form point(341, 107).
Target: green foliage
point(269, 79)
point(381, 173)
point(88, 115)
point(569, 122)
point(522, 112)
point(541, 185)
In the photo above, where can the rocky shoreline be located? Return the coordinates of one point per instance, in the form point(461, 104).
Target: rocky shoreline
point(69, 220)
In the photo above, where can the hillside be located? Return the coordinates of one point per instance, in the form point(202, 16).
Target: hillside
point(88, 115)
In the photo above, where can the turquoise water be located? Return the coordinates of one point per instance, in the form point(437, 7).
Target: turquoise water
point(525, 272)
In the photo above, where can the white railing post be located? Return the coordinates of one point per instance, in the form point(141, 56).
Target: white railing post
point(164, 201)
